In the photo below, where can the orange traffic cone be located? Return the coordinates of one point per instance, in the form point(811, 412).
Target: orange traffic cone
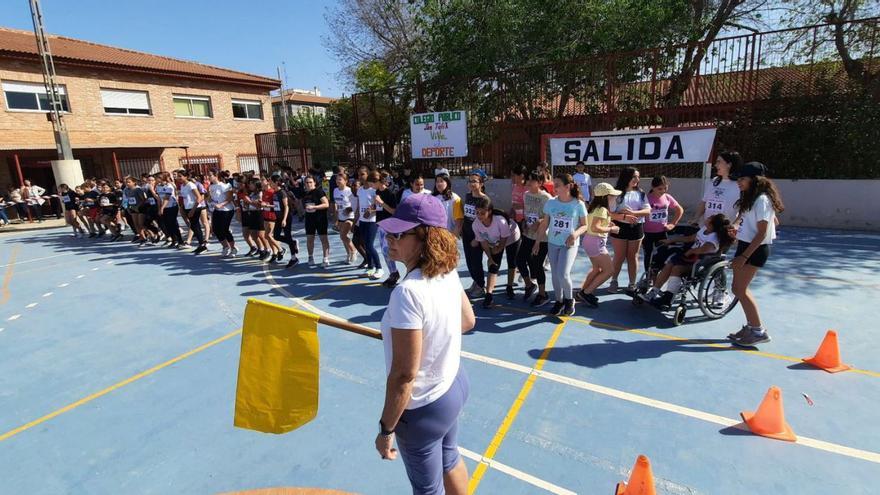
point(769, 420)
point(828, 355)
point(641, 480)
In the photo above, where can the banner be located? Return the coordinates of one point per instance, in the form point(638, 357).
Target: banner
point(674, 146)
point(439, 134)
point(278, 369)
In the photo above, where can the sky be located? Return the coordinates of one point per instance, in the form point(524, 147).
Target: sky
point(252, 36)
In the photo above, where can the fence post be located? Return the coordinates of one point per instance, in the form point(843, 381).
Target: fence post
point(116, 166)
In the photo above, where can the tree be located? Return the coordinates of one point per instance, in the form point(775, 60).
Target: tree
point(852, 41)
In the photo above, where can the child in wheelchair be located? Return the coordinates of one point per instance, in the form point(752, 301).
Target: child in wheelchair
point(714, 238)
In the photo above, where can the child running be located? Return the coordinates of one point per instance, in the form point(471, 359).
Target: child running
point(566, 217)
point(367, 226)
point(496, 234)
point(595, 242)
point(386, 204)
point(343, 211)
point(713, 238)
point(71, 199)
point(315, 204)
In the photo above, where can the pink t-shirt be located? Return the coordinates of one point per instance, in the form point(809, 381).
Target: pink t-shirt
point(518, 201)
point(660, 207)
point(493, 233)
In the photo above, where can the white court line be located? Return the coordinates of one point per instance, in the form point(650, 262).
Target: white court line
point(13, 317)
point(80, 276)
point(65, 284)
point(666, 406)
point(31, 305)
point(47, 294)
point(95, 269)
point(35, 259)
point(516, 473)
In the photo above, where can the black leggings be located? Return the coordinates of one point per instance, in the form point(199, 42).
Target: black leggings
point(532, 266)
point(473, 256)
point(195, 224)
point(511, 251)
point(220, 221)
point(284, 235)
point(169, 220)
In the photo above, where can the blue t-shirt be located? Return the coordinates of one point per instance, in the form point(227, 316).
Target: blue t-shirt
point(564, 219)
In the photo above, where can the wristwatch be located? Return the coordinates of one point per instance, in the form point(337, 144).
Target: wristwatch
point(383, 431)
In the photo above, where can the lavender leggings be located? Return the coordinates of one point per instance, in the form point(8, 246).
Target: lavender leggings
point(427, 438)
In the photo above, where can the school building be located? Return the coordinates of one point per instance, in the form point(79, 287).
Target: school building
point(299, 101)
point(125, 111)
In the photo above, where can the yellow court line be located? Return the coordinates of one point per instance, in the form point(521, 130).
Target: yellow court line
point(725, 347)
point(512, 413)
point(4, 293)
point(85, 400)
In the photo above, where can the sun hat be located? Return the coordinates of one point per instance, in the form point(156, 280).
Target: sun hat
point(605, 189)
point(418, 209)
point(751, 169)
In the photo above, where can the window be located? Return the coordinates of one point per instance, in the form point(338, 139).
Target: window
point(31, 97)
point(198, 107)
point(247, 109)
point(117, 101)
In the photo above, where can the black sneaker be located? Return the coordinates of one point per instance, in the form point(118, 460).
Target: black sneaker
point(580, 295)
point(487, 301)
point(540, 300)
point(591, 300)
point(738, 335)
point(567, 307)
point(275, 259)
point(664, 300)
point(392, 280)
point(530, 289)
point(201, 249)
point(752, 339)
point(251, 252)
point(556, 310)
point(93, 235)
point(362, 265)
point(292, 263)
point(510, 293)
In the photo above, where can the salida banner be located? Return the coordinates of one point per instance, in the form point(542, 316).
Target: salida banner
point(439, 134)
point(666, 146)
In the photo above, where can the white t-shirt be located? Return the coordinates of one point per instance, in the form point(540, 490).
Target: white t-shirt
point(761, 210)
point(218, 195)
point(585, 183)
point(187, 192)
point(434, 306)
point(499, 229)
point(721, 198)
point(342, 198)
point(408, 192)
point(704, 237)
point(166, 191)
point(635, 200)
point(366, 198)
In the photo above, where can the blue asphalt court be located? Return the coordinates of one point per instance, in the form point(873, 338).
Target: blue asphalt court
point(118, 368)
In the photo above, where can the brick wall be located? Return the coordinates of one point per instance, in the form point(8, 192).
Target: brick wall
point(89, 127)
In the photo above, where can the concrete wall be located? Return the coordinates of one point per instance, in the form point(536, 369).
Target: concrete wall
point(837, 204)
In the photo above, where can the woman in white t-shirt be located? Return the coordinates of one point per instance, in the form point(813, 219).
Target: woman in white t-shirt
point(343, 206)
point(758, 205)
point(628, 211)
point(220, 195)
point(721, 193)
point(426, 387)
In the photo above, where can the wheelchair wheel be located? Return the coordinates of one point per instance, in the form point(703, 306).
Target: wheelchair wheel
point(715, 294)
point(678, 316)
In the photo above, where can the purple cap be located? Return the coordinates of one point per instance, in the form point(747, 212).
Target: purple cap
point(418, 209)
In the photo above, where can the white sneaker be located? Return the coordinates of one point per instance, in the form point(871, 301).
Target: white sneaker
point(225, 252)
point(477, 292)
point(367, 273)
point(377, 274)
point(326, 263)
point(350, 259)
point(311, 260)
point(233, 252)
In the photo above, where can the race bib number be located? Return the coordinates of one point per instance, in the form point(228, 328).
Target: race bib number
point(152, 201)
point(105, 202)
point(561, 225)
point(132, 201)
point(715, 206)
point(276, 205)
point(470, 210)
point(66, 199)
point(532, 219)
point(659, 215)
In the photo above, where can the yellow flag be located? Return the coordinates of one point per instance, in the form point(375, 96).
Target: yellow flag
point(278, 369)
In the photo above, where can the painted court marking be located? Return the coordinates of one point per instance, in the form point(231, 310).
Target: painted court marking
point(31, 305)
point(13, 262)
point(7, 278)
point(47, 294)
point(516, 473)
point(65, 284)
point(666, 406)
point(13, 317)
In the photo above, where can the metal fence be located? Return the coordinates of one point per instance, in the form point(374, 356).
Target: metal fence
point(136, 167)
point(508, 112)
point(201, 164)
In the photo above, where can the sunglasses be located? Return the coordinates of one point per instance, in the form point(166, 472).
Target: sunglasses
point(400, 235)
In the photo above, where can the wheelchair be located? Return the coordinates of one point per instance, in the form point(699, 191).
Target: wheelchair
point(708, 287)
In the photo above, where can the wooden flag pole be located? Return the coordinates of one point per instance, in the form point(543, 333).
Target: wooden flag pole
point(350, 327)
